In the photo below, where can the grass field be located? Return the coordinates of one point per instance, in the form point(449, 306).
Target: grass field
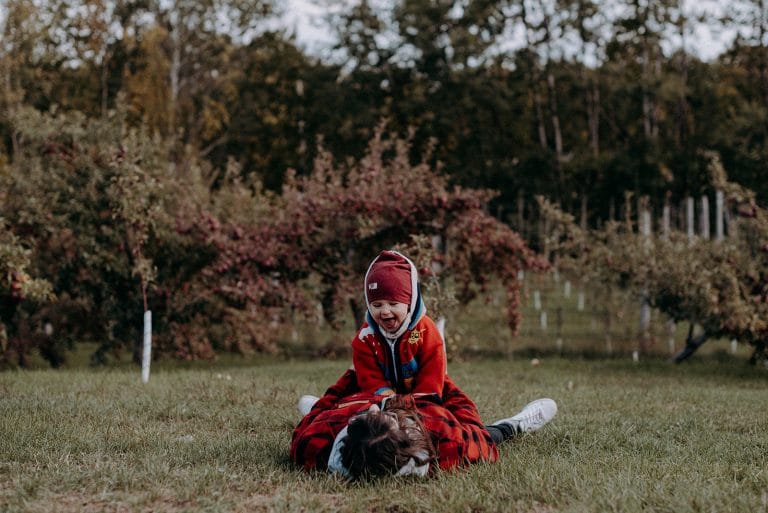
point(214, 437)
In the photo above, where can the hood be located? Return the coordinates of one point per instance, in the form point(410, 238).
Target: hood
point(417, 309)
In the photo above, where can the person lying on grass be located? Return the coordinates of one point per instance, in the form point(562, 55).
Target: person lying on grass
point(357, 435)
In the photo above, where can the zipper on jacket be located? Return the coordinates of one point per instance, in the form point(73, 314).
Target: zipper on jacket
point(394, 363)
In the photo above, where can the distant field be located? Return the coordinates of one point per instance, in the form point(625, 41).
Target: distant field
point(594, 327)
point(213, 437)
point(579, 321)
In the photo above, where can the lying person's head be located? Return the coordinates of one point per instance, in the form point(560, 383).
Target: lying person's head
point(387, 442)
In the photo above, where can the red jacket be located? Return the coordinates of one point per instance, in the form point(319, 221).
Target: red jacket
point(457, 431)
point(414, 364)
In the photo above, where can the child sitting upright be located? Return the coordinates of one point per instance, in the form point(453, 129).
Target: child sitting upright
point(399, 349)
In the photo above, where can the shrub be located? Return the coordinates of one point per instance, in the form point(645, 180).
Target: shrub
point(96, 202)
point(323, 229)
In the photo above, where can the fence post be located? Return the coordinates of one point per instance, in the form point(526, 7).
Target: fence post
point(689, 219)
point(645, 222)
point(719, 200)
point(645, 308)
point(671, 325)
point(704, 219)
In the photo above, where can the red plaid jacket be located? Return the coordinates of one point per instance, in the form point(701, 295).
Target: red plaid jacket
point(455, 426)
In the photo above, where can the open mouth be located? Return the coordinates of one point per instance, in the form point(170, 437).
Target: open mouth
point(388, 323)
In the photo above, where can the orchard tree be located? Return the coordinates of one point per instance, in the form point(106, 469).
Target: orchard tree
point(324, 228)
point(721, 286)
point(96, 202)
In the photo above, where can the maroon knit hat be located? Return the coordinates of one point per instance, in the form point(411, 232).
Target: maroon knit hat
point(389, 279)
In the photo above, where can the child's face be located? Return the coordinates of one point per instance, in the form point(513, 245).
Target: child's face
point(389, 314)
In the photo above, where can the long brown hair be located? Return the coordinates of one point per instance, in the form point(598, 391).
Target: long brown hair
point(376, 446)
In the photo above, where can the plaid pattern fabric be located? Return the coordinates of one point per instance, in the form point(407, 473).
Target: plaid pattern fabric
point(455, 426)
point(313, 438)
point(456, 429)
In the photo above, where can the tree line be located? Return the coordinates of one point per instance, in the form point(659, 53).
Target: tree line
point(587, 106)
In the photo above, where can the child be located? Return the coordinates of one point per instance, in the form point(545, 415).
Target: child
point(399, 351)
point(399, 348)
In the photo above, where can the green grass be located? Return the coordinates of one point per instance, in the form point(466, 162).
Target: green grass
point(203, 437)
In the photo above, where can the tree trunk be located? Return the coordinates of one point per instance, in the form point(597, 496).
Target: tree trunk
point(691, 345)
point(593, 113)
point(759, 353)
point(539, 117)
point(357, 314)
point(650, 72)
point(105, 82)
point(555, 117)
point(175, 72)
point(763, 56)
point(683, 110)
point(534, 76)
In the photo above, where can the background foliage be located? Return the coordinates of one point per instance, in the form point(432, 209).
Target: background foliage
point(188, 158)
point(719, 285)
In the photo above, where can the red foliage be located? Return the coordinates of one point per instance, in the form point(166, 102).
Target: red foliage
point(318, 235)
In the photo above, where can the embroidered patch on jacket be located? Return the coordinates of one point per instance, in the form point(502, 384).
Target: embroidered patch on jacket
point(415, 337)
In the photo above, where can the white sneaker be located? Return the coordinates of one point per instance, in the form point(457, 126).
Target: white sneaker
point(532, 417)
point(306, 402)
